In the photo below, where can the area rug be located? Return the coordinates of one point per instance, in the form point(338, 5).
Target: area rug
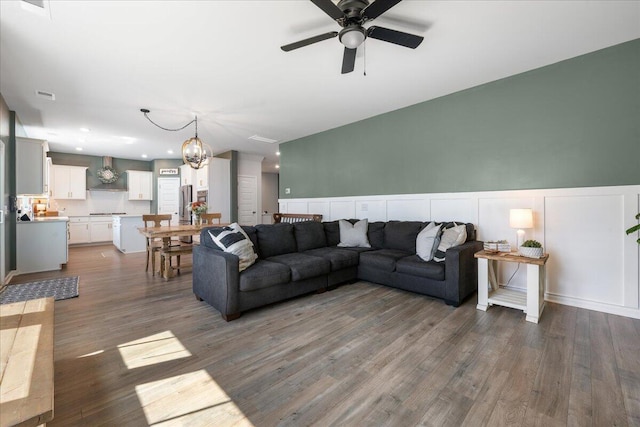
point(59, 288)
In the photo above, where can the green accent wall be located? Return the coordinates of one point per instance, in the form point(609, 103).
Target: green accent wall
point(575, 123)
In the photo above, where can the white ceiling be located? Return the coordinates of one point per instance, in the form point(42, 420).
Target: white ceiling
point(104, 60)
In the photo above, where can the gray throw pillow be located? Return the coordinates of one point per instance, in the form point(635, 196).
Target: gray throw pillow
point(354, 235)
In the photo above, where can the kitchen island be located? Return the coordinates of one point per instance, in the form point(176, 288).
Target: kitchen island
point(126, 236)
point(41, 244)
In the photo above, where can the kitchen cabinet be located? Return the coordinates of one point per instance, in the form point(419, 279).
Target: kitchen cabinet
point(100, 229)
point(41, 245)
point(68, 182)
point(187, 175)
point(202, 177)
point(79, 230)
point(93, 229)
point(31, 166)
point(140, 185)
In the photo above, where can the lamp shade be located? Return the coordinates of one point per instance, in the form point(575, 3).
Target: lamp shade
point(520, 218)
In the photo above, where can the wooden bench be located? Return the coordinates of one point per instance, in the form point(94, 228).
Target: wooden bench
point(166, 254)
point(26, 362)
point(292, 217)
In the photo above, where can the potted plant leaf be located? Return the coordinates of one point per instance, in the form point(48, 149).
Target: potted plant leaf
point(635, 228)
point(531, 249)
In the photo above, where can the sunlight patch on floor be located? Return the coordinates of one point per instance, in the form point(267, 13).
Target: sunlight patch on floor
point(192, 399)
point(153, 349)
point(95, 353)
point(16, 371)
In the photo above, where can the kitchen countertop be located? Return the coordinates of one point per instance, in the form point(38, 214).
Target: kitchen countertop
point(45, 219)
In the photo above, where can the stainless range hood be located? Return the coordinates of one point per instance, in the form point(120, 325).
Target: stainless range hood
point(114, 186)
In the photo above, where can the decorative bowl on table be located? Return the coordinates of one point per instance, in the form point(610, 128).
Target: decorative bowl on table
point(531, 252)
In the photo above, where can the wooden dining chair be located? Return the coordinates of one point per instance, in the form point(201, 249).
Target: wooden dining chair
point(154, 245)
point(209, 217)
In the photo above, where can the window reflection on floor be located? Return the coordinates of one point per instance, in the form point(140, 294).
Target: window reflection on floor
point(153, 349)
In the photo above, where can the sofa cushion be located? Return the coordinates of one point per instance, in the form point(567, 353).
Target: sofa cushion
point(354, 235)
point(264, 274)
point(401, 235)
point(414, 266)
point(332, 232)
point(309, 235)
point(451, 236)
point(338, 258)
point(382, 259)
point(303, 266)
point(275, 239)
point(376, 234)
point(251, 232)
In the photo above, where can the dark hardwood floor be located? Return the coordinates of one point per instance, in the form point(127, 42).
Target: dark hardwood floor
point(137, 350)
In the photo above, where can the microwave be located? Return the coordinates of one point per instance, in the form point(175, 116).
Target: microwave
point(202, 196)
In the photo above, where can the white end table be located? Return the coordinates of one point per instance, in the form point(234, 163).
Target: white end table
point(531, 302)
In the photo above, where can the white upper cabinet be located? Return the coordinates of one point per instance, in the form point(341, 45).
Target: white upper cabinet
point(140, 185)
point(31, 166)
point(68, 182)
point(202, 176)
point(187, 175)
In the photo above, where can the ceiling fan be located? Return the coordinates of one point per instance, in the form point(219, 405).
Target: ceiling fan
point(351, 15)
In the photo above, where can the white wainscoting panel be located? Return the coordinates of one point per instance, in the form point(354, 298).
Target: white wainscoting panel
point(593, 264)
point(448, 209)
point(322, 208)
point(585, 237)
point(405, 210)
point(343, 209)
point(374, 210)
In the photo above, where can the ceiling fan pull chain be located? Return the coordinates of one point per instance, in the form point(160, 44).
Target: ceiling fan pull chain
point(364, 59)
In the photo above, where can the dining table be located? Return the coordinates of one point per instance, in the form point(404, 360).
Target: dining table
point(167, 232)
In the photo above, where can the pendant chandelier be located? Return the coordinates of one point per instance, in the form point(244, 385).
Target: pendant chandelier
point(195, 153)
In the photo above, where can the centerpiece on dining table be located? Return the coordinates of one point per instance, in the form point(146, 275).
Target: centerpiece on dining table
point(198, 208)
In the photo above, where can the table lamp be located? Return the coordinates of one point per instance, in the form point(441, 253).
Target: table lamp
point(520, 218)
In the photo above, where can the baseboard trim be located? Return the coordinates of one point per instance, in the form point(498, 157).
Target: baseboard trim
point(9, 276)
point(596, 306)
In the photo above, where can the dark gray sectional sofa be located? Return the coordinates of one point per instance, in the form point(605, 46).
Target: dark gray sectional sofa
point(295, 259)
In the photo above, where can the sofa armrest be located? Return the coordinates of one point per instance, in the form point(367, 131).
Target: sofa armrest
point(461, 272)
point(216, 279)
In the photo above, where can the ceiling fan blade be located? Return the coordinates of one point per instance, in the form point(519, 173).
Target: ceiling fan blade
point(378, 7)
point(393, 36)
point(329, 8)
point(348, 60)
point(310, 40)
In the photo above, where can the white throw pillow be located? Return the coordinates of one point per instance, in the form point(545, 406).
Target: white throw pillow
point(354, 235)
point(426, 241)
point(453, 236)
point(234, 240)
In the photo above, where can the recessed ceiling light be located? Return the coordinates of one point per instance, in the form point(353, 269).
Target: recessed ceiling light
point(85, 130)
point(78, 148)
point(144, 156)
point(277, 166)
point(277, 153)
point(170, 151)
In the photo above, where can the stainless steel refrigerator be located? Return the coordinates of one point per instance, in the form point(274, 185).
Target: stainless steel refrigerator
point(186, 194)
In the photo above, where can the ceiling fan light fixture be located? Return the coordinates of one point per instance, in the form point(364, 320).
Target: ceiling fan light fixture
point(352, 36)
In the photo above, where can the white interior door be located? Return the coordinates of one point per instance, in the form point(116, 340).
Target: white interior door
point(169, 198)
point(247, 200)
point(3, 211)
